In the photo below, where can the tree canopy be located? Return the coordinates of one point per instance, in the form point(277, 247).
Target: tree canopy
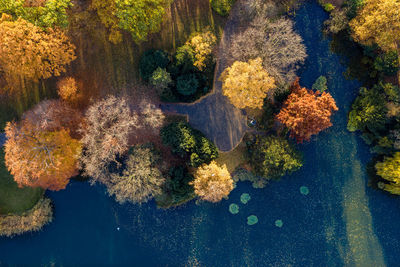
point(306, 113)
point(389, 170)
point(247, 84)
point(212, 182)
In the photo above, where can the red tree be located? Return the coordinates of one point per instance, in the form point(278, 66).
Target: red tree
point(306, 112)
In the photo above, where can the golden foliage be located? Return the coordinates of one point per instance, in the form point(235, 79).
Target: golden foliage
point(203, 45)
point(68, 89)
point(378, 21)
point(33, 220)
point(212, 182)
point(247, 84)
point(29, 52)
point(389, 169)
point(40, 158)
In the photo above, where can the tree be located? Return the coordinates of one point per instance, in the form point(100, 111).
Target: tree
point(388, 63)
point(389, 170)
point(140, 179)
point(368, 112)
point(247, 84)
point(161, 79)
point(108, 124)
point(68, 89)
point(188, 143)
point(139, 17)
point(42, 13)
point(150, 61)
point(273, 157)
point(222, 7)
point(320, 84)
point(29, 52)
point(378, 21)
point(280, 48)
point(202, 45)
point(212, 182)
point(306, 112)
point(40, 158)
point(187, 84)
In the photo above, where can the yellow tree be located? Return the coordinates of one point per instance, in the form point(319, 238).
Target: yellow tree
point(378, 21)
point(247, 84)
point(203, 45)
point(40, 158)
point(212, 182)
point(389, 169)
point(68, 90)
point(28, 52)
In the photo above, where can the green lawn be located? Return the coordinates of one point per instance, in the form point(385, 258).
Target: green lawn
point(13, 199)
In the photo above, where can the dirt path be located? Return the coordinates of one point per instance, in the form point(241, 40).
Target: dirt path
point(214, 115)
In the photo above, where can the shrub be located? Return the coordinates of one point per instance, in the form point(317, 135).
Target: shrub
point(320, 84)
point(273, 157)
point(388, 63)
point(188, 143)
point(328, 7)
point(33, 220)
point(184, 59)
point(222, 7)
point(187, 84)
point(150, 61)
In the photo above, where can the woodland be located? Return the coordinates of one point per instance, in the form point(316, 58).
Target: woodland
point(84, 86)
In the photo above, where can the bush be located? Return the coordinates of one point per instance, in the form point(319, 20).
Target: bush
point(273, 157)
point(320, 84)
point(188, 143)
point(328, 7)
point(187, 84)
point(222, 7)
point(33, 220)
point(388, 63)
point(177, 189)
point(150, 61)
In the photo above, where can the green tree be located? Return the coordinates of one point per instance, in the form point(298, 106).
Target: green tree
point(368, 111)
point(273, 157)
point(389, 170)
point(52, 13)
point(161, 79)
point(388, 63)
point(189, 143)
point(320, 84)
point(187, 84)
point(150, 61)
point(222, 7)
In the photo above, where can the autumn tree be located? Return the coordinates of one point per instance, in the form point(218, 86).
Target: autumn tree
point(247, 84)
point(306, 112)
point(389, 170)
point(378, 21)
point(26, 51)
point(68, 89)
point(140, 179)
point(280, 48)
point(212, 182)
point(40, 158)
point(42, 13)
point(139, 17)
point(108, 124)
point(202, 45)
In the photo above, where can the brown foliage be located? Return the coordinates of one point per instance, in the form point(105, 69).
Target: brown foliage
point(27, 51)
point(33, 220)
point(212, 182)
point(306, 113)
point(68, 90)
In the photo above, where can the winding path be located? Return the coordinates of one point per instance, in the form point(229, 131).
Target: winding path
point(213, 114)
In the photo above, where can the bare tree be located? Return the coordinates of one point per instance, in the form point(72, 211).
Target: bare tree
point(280, 47)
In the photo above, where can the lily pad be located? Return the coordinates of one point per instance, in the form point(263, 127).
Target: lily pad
point(252, 219)
point(244, 198)
point(234, 208)
point(304, 190)
point(278, 223)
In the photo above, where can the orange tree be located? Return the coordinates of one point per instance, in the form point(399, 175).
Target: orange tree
point(306, 112)
point(28, 52)
point(40, 158)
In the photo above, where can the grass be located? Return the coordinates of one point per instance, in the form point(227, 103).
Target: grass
point(234, 158)
point(12, 198)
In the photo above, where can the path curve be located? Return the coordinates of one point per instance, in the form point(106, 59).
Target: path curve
point(213, 114)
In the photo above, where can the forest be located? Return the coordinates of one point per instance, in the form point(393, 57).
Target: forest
point(166, 105)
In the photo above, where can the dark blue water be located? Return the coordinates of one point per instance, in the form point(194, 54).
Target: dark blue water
point(341, 221)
